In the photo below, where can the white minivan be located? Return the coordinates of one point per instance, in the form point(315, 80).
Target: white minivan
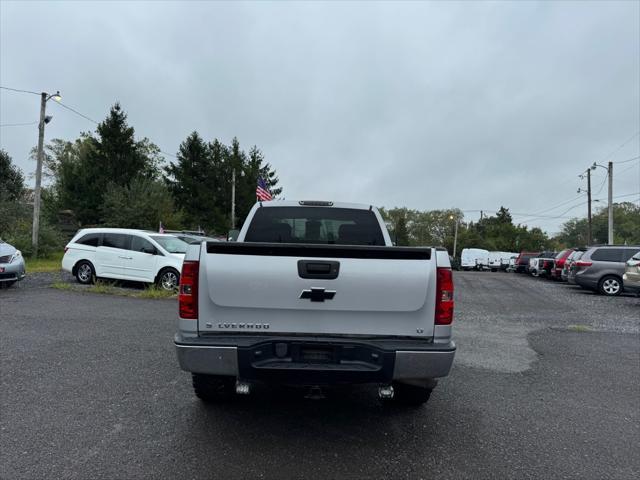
point(125, 254)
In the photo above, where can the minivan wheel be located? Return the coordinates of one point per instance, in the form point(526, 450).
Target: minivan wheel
point(610, 286)
point(85, 272)
point(168, 279)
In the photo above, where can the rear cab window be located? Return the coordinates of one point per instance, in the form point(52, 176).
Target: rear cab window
point(315, 225)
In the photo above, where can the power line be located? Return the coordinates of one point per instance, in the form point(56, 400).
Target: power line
point(77, 112)
point(627, 195)
point(17, 124)
point(18, 90)
point(97, 123)
point(602, 184)
point(622, 145)
point(628, 160)
point(626, 169)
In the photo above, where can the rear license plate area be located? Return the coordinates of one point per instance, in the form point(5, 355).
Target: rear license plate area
point(316, 354)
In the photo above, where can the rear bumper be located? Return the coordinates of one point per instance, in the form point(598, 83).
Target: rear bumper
point(315, 360)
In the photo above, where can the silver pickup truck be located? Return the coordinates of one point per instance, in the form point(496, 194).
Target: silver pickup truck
point(314, 294)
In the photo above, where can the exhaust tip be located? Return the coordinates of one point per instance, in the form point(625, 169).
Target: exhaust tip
point(385, 391)
point(243, 388)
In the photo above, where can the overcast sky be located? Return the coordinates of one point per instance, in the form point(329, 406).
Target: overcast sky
point(425, 105)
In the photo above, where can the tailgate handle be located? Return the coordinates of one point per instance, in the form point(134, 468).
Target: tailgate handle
point(321, 270)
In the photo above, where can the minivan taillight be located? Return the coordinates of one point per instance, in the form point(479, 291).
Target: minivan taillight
point(444, 296)
point(583, 263)
point(188, 296)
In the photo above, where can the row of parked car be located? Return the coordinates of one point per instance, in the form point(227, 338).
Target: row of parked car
point(606, 269)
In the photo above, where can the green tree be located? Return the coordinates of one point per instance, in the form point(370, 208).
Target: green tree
point(626, 227)
point(12, 179)
point(143, 203)
point(193, 182)
point(85, 168)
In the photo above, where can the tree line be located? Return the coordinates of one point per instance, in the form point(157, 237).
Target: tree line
point(110, 178)
point(499, 233)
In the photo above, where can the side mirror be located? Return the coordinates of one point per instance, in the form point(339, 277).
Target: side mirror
point(232, 236)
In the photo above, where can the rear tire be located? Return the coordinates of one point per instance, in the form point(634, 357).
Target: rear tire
point(213, 388)
point(610, 285)
point(85, 273)
point(408, 395)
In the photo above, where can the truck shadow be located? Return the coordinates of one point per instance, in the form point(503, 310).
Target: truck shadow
point(350, 424)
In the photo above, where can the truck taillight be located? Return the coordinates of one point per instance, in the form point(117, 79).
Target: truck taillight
point(188, 296)
point(581, 263)
point(444, 296)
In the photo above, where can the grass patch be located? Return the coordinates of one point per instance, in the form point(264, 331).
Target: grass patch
point(580, 328)
point(154, 292)
point(60, 285)
point(102, 287)
point(47, 264)
point(107, 288)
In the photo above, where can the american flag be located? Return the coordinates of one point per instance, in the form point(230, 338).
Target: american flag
point(262, 191)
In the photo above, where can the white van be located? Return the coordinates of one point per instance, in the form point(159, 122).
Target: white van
point(125, 254)
point(474, 258)
point(499, 260)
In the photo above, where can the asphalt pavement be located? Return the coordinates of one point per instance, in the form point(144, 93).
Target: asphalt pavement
point(546, 384)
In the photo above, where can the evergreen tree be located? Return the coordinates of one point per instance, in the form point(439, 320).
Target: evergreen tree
point(193, 183)
point(11, 179)
point(86, 168)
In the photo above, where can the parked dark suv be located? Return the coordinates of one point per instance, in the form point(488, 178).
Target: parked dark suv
point(601, 268)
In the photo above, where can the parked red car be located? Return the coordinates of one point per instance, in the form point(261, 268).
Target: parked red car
point(558, 264)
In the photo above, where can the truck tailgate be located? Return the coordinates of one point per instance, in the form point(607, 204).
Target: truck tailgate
point(376, 290)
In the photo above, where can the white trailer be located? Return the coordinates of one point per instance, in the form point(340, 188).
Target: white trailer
point(474, 258)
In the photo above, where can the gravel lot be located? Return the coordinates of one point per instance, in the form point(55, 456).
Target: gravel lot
point(546, 384)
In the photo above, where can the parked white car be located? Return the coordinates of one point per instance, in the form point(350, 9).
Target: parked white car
point(125, 254)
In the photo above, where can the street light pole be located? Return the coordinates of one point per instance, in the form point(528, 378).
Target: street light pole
point(455, 239)
point(36, 199)
point(610, 173)
point(233, 199)
point(35, 233)
point(589, 231)
point(455, 234)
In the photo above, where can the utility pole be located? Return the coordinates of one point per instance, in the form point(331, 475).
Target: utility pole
point(455, 239)
point(233, 199)
point(36, 199)
point(589, 241)
point(35, 232)
point(455, 234)
point(610, 173)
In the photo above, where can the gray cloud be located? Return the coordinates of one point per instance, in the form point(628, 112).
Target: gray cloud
point(428, 105)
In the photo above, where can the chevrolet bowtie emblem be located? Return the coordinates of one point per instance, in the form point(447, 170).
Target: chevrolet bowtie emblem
point(318, 294)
